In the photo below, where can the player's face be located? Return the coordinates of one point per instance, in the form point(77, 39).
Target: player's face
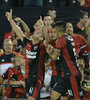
point(39, 34)
point(47, 20)
point(36, 26)
point(8, 46)
point(53, 34)
point(69, 29)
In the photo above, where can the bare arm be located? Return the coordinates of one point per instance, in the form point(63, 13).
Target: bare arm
point(17, 30)
point(18, 83)
point(25, 26)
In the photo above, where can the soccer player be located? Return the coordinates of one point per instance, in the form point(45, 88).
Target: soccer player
point(35, 54)
point(70, 81)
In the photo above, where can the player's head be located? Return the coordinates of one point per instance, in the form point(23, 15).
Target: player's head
point(60, 27)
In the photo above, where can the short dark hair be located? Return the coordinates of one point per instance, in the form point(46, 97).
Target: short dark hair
point(46, 15)
point(61, 25)
point(52, 8)
point(81, 14)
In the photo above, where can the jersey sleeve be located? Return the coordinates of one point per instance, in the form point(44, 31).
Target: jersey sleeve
point(60, 44)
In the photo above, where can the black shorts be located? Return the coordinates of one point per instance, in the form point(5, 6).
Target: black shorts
point(53, 81)
point(30, 87)
point(69, 85)
point(33, 88)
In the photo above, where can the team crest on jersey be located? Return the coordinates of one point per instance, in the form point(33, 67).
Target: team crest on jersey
point(9, 37)
point(35, 47)
point(12, 59)
point(3, 60)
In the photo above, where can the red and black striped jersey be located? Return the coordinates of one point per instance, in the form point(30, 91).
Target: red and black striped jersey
point(69, 64)
point(35, 55)
point(34, 69)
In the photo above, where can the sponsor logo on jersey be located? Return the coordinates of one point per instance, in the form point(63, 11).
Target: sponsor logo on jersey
point(31, 55)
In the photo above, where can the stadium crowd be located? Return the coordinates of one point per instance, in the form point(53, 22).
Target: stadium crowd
point(52, 62)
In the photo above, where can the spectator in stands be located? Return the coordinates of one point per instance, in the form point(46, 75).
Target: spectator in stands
point(15, 77)
point(80, 26)
point(84, 3)
point(84, 51)
point(28, 3)
point(78, 39)
point(7, 57)
point(85, 55)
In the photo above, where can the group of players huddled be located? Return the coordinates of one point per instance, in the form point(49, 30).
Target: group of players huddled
point(53, 62)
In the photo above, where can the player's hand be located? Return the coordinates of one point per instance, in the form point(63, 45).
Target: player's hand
point(40, 22)
point(49, 49)
point(30, 98)
point(9, 15)
point(22, 83)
